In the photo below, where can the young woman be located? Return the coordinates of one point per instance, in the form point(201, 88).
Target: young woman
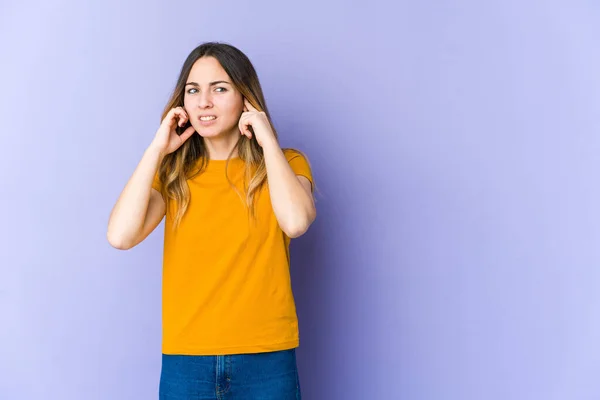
point(233, 199)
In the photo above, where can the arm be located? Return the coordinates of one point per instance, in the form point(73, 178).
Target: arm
point(291, 194)
point(140, 208)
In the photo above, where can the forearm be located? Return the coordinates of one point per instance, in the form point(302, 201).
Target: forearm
point(292, 204)
point(129, 213)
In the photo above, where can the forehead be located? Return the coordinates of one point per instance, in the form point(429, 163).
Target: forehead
point(207, 69)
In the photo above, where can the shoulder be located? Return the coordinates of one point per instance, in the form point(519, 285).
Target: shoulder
point(291, 154)
point(299, 163)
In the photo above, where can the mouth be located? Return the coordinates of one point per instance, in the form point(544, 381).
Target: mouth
point(207, 120)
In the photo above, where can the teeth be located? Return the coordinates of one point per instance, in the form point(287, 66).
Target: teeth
point(208, 118)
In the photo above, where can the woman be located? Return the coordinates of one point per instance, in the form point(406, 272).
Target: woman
point(233, 199)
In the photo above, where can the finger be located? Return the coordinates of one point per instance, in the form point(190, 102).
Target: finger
point(182, 117)
point(249, 106)
point(174, 116)
point(243, 122)
point(244, 130)
point(187, 133)
point(248, 131)
point(183, 120)
point(170, 117)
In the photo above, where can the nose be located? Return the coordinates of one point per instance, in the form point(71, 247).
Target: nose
point(204, 99)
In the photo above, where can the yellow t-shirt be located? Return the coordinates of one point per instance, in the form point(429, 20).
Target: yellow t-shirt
point(226, 279)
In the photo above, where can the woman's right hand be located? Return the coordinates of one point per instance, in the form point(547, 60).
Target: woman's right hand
point(166, 139)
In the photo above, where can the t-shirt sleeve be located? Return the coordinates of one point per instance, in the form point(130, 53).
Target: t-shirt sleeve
point(300, 165)
point(156, 183)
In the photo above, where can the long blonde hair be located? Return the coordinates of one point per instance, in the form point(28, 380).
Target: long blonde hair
point(183, 164)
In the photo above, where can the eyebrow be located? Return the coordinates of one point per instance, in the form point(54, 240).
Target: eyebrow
point(211, 84)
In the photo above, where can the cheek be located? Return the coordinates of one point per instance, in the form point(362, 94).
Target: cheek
point(230, 107)
point(187, 104)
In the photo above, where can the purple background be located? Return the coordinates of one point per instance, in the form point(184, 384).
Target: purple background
point(456, 251)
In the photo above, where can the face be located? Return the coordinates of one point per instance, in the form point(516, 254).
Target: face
point(210, 93)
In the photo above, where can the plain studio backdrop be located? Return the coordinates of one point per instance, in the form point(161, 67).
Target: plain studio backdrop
point(455, 145)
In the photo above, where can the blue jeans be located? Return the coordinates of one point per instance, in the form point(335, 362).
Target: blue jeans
point(265, 376)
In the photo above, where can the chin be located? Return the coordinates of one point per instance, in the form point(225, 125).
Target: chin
point(212, 132)
point(208, 132)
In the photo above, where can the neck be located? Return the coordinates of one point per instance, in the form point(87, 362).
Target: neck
point(219, 147)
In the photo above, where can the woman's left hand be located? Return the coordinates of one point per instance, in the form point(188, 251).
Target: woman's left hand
point(259, 122)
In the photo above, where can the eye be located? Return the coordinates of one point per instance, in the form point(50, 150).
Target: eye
point(224, 90)
point(190, 90)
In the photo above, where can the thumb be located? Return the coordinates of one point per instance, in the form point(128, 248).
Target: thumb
point(187, 133)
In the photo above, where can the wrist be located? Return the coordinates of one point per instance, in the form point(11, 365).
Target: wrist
point(155, 151)
point(270, 145)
